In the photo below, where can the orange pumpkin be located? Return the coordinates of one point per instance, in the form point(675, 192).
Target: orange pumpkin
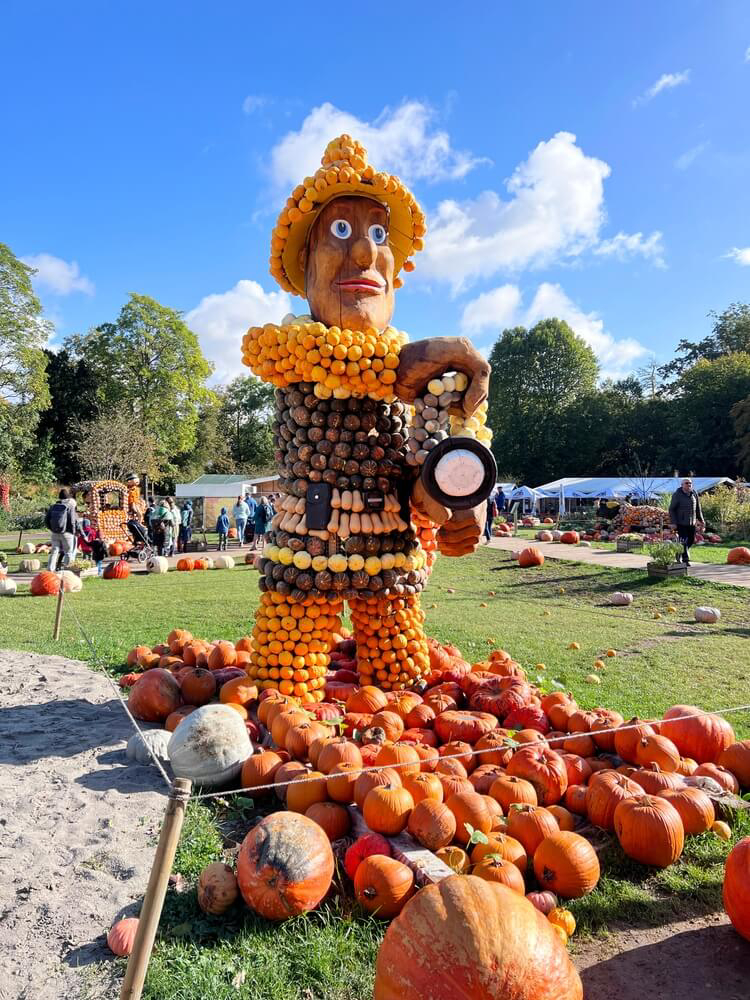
point(386, 809)
point(198, 686)
point(454, 784)
point(575, 799)
point(284, 722)
point(484, 777)
point(239, 690)
point(341, 780)
point(455, 858)
point(577, 768)
point(373, 779)
point(332, 818)
point(736, 890)
point(565, 819)
point(290, 770)
point(653, 780)
point(285, 866)
point(494, 869)
point(367, 699)
point(222, 655)
point(432, 824)
point(391, 724)
point(305, 792)
point(736, 758)
point(531, 556)
point(657, 750)
point(154, 696)
point(544, 769)
point(185, 565)
point(508, 949)
point(401, 756)
point(530, 825)
point(45, 584)
point(629, 735)
point(702, 737)
point(650, 830)
point(460, 751)
point(506, 847)
point(470, 809)
point(383, 885)
point(695, 808)
point(301, 736)
point(494, 748)
point(605, 792)
point(508, 789)
point(121, 936)
point(217, 888)
point(422, 786)
point(725, 778)
point(469, 727)
point(260, 770)
point(335, 751)
point(175, 718)
point(118, 570)
point(567, 865)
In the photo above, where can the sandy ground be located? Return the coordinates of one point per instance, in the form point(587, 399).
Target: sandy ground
point(77, 836)
point(77, 828)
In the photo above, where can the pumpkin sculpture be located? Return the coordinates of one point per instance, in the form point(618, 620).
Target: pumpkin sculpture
point(650, 830)
point(383, 885)
point(466, 937)
point(736, 890)
point(285, 866)
point(566, 864)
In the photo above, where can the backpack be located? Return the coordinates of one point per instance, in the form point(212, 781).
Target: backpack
point(57, 518)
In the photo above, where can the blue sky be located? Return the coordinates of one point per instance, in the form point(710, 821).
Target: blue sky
point(573, 159)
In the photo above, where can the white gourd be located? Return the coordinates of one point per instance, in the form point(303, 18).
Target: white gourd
point(223, 562)
point(210, 746)
point(7, 586)
point(621, 599)
point(157, 564)
point(707, 615)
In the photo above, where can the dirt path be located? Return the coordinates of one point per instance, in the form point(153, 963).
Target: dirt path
point(737, 576)
point(77, 827)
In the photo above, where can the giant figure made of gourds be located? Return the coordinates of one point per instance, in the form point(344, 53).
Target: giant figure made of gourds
point(358, 410)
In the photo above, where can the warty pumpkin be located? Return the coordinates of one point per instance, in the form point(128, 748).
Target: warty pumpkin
point(383, 885)
point(284, 866)
point(566, 864)
point(465, 937)
point(736, 891)
point(650, 830)
point(432, 824)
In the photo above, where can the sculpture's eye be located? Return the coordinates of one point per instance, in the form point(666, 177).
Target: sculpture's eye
point(341, 229)
point(378, 234)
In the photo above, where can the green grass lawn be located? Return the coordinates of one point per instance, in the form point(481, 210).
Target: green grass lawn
point(535, 614)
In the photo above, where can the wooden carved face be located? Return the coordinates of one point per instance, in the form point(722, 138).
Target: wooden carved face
point(349, 265)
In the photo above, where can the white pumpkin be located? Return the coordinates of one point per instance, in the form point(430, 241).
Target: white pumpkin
point(708, 615)
point(72, 583)
point(210, 746)
point(224, 562)
point(621, 599)
point(544, 536)
point(29, 566)
point(7, 586)
point(209, 563)
point(556, 535)
point(155, 739)
point(158, 564)
point(28, 548)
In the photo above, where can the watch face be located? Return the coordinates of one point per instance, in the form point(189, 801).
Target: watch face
point(459, 473)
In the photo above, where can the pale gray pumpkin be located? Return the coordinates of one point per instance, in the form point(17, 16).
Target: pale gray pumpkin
point(621, 598)
point(223, 562)
point(157, 564)
point(7, 586)
point(707, 615)
point(29, 566)
point(210, 746)
point(156, 739)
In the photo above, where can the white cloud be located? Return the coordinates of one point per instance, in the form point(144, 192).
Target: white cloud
point(740, 255)
point(56, 275)
point(253, 103)
point(555, 210)
point(616, 357)
point(491, 310)
point(401, 140)
point(222, 320)
point(665, 82)
point(690, 156)
point(626, 245)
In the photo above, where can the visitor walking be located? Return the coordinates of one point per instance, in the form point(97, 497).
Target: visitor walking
point(685, 513)
point(161, 524)
point(222, 529)
point(263, 515)
point(250, 526)
point(186, 526)
point(176, 513)
point(147, 515)
point(240, 513)
point(501, 501)
point(60, 519)
point(490, 517)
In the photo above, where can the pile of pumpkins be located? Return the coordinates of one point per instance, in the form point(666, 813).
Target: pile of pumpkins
point(482, 767)
point(187, 564)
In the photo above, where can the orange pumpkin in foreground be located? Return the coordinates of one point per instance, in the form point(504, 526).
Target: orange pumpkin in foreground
point(650, 830)
point(383, 885)
point(465, 937)
point(121, 936)
point(702, 737)
point(737, 887)
point(566, 864)
point(285, 866)
point(154, 696)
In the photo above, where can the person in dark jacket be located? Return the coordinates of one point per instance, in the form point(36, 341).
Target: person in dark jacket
point(60, 519)
point(685, 513)
point(186, 526)
point(490, 515)
point(222, 529)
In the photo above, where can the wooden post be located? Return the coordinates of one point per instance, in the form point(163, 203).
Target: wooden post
point(153, 901)
point(20, 536)
point(58, 610)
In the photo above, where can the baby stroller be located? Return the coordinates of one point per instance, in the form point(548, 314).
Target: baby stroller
point(142, 550)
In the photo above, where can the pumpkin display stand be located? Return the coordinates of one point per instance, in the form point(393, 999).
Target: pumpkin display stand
point(666, 572)
point(629, 545)
point(106, 506)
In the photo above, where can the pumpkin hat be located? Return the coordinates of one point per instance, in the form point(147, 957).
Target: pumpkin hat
point(344, 170)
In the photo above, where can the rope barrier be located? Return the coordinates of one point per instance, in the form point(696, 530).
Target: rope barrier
point(100, 664)
point(458, 756)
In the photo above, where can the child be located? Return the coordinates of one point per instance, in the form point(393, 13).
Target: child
point(91, 544)
point(222, 529)
point(168, 543)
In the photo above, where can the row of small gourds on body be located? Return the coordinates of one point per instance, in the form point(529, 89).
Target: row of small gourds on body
point(483, 769)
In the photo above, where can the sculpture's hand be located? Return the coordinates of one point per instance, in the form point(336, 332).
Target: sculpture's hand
point(426, 359)
point(461, 533)
point(430, 509)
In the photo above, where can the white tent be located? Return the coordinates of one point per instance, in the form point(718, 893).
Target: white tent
point(638, 487)
point(528, 497)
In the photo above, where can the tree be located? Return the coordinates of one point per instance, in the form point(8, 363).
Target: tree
point(536, 375)
point(649, 378)
point(113, 445)
point(730, 334)
point(246, 413)
point(23, 381)
point(149, 365)
point(73, 398)
point(703, 436)
point(211, 452)
point(741, 419)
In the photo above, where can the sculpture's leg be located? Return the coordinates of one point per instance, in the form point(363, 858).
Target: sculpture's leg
point(292, 643)
point(391, 646)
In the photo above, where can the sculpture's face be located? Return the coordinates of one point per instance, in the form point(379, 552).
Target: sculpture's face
point(349, 266)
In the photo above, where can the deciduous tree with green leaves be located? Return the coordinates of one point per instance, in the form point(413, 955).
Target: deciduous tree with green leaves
point(246, 413)
point(23, 379)
point(149, 364)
